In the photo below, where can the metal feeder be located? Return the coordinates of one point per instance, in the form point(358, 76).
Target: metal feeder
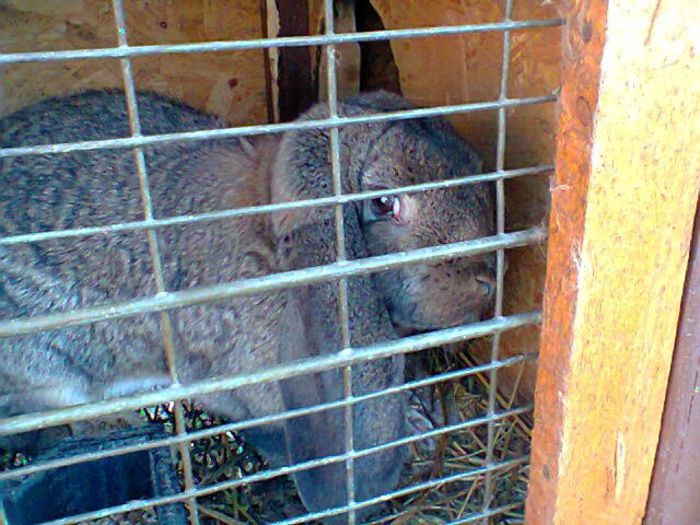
point(92, 485)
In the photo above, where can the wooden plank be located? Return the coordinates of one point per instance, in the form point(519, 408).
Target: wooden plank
point(379, 70)
point(269, 23)
point(623, 202)
point(673, 499)
point(295, 82)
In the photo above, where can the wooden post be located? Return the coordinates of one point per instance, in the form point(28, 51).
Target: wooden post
point(623, 201)
point(294, 78)
point(269, 22)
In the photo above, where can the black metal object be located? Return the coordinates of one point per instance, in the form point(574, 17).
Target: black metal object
point(86, 487)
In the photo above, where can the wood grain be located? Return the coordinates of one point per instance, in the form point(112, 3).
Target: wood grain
point(623, 203)
point(231, 84)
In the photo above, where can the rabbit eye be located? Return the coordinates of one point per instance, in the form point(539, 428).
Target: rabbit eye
point(387, 206)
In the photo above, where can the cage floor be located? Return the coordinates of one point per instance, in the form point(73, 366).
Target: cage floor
point(225, 457)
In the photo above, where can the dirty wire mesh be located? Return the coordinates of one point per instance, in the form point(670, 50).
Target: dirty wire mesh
point(348, 356)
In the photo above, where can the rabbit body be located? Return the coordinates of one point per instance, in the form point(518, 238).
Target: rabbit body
point(86, 363)
point(108, 359)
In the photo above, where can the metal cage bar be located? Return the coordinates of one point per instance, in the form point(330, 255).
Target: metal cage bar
point(260, 129)
point(340, 270)
point(199, 492)
point(277, 281)
point(23, 423)
point(156, 261)
point(196, 218)
point(469, 518)
point(275, 418)
point(341, 257)
point(270, 474)
point(410, 490)
point(500, 255)
point(488, 513)
point(260, 43)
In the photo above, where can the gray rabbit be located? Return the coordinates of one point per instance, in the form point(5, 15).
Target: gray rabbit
point(109, 359)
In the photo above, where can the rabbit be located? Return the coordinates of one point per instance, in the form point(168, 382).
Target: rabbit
point(104, 360)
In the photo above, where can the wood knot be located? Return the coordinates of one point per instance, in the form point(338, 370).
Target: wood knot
point(586, 31)
point(584, 111)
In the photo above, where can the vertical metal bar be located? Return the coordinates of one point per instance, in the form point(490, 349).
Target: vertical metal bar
point(500, 255)
point(166, 326)
point(341, 256)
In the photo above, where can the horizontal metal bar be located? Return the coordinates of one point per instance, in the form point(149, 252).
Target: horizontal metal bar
point(426, 485)
point(271, 208)
point(205, 294)
point(241, 425)
point(468, 518)
point(471, 518)
point(266, 475)
point(27, 422)
point(355, 454)
point(266, 43)
point(218, 487)
point(474, 422)
point(260, 129)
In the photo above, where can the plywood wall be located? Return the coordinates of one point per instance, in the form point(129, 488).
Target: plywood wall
point(231, 84)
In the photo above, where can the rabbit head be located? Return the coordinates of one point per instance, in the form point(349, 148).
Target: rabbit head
point(404, 153)
point(420, 296)
point(372, 156)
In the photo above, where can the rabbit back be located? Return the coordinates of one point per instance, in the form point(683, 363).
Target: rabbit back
point(95, 188)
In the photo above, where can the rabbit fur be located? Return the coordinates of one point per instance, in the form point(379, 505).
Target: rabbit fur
point(103, 360)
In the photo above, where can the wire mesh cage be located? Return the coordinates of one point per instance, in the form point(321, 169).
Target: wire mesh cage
point(475, 467)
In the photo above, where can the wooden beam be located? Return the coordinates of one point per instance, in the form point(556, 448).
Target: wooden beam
point(269, 23)
point(295, 83)
point(623, 202)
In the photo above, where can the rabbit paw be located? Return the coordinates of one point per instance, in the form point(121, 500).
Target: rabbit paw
point(418, 424)
point(427, 413)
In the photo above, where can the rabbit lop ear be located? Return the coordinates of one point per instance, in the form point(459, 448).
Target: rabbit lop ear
point(312, 328)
